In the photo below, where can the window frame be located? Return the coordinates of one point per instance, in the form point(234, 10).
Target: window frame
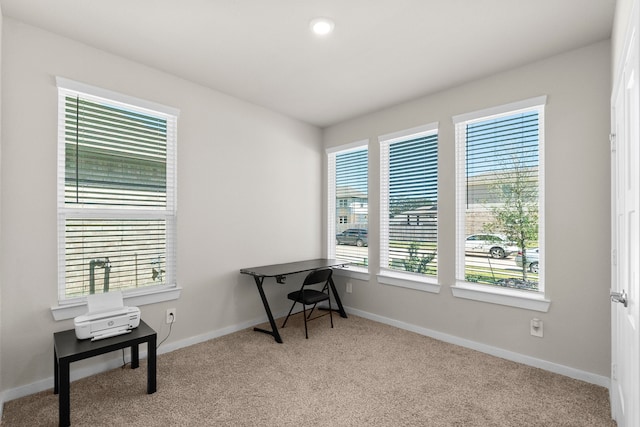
point(358, 272)
point(70, 307)
point(531, 300)
point(386, 275)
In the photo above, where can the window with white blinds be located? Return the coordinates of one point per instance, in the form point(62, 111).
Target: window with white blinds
point(116, 192)
point(409, 201)
point(348, 173)
point(499, 172)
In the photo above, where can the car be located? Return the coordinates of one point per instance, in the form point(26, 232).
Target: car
point(353, 236)
point(496, 245)
point(532, 259)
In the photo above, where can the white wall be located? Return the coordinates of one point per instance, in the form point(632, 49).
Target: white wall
point(577, 326)
point(249, 193)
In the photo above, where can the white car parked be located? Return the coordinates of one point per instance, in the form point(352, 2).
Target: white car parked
point(495, 245)
point(532, 259)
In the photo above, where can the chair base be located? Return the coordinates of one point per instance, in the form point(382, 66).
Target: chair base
point(308, 318)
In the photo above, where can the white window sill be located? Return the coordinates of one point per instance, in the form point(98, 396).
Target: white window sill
point(409, 280)
point(504, 296)
point(131, 298)
point(353, 272)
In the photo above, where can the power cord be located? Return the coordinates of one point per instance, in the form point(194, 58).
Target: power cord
point(124, 363)
point(170, 326)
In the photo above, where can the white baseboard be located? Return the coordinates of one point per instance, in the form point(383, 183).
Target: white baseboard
point(494, 351)
point(97, 368)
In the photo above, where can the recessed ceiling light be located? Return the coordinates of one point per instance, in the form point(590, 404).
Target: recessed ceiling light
point(322, 26)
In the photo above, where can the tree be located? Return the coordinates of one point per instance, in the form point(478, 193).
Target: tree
point(515, 213)
point(416, 262)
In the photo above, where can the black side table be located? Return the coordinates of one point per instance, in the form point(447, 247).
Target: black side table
point(67, 348)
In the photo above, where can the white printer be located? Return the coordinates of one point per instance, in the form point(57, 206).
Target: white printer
point(107, 317)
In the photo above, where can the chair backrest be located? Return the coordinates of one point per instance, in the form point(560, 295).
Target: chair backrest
point(318, 276)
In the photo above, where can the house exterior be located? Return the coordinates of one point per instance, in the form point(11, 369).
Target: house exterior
point(352, 208)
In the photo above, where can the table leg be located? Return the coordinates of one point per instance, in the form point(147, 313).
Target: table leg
point(135, 357)
point(151, 364)
point(274, 329)
point(337, 298)
point(55, 372)
point(64, 402)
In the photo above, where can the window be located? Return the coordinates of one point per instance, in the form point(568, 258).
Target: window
point(116, 193)
point(409, 203)
point(348, 204)
point(499, 203)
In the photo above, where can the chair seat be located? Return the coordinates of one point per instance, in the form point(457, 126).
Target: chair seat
point(308, 296)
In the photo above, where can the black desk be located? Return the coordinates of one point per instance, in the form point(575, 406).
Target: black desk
point(67, 348)
point(279, 272)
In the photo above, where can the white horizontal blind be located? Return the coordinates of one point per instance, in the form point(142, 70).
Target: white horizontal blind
point(499, 174)
point(350, 172)
point(409, 203)
point(331, 205)
point(133, 248)
point(116, 203)
point(113, 156)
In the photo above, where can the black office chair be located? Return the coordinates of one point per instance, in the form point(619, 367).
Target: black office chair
point(312, 296)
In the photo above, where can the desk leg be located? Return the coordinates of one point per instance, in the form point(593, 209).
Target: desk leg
point(64, 401)
point(274, 329)
point(337, 298)
point(151, 364)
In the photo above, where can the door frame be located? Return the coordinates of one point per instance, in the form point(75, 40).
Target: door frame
point(618, 348)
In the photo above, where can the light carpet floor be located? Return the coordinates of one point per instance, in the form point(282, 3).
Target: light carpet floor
point(361, 373)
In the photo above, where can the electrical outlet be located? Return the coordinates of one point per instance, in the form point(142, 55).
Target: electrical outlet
point(171, 315)
point(349, 287)
point(537, 327)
